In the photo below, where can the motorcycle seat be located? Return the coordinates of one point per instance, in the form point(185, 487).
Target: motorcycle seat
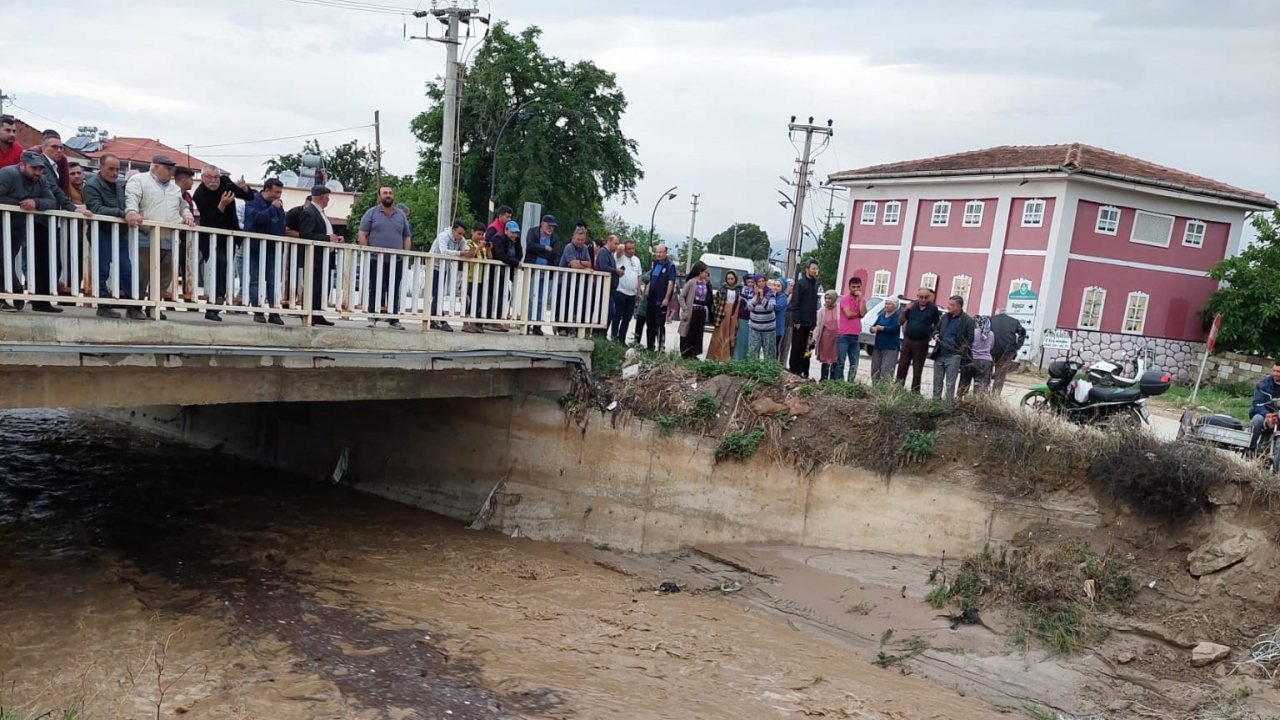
point(1222, 421)
point(1111, 395)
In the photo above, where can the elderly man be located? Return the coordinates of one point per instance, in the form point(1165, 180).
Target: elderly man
point(154, 197)
point(541, 248)
point(624, 298)
point(314, 225)
point(917, 319)
point(264, 214)
point(23, 185)
point(10, 148)
point(215, 198)
point(382, 226)
point(658, 292)
point(104, 195)
point(954, 335)
point(54, 156)
point(575, 256)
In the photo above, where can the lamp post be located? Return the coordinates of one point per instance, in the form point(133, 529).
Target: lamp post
point(668, 195)
point(493, 174)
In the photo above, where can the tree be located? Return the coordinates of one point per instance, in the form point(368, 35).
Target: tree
point(349, 163)
point(1249, 299)
point(827, 254)
point(752, 242)
point(565, 150)
point(689, 253)
point(422, 197)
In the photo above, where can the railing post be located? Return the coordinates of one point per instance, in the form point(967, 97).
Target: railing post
point(153, 271)
point(307, 280)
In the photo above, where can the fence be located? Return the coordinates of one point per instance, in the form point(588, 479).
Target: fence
point(66, 257)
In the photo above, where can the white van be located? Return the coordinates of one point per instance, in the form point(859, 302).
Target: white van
point(720, 264)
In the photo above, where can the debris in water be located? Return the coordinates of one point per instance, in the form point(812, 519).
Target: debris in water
point(340, 470)
point(732, 586)
point(968, 617)
point(667, 588)
point(613, 405)
point(1152, 584)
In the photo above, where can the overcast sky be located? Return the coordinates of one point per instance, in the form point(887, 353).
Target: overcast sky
point(1186, 83)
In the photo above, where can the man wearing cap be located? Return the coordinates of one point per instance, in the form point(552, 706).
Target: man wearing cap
point(505, 248)
point(314, 225)
point(541, 248)
point(154, 197)
point(215, 198)
point(104, 195)
point(10, 148)
point(264, 214)
point(382, 226)
point(23, 185)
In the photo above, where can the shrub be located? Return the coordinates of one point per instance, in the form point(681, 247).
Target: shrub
point(762, 371)
point(704, 410)
point(607, 357)
point(739, 444)
point(666, 423)
point(919, 444)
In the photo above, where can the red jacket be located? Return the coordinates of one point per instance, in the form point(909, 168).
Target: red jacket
point(12, 156)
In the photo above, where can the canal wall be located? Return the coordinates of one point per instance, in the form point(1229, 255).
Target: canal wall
point(616, 480)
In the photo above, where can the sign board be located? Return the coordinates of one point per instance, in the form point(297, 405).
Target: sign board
point(1022, 305)
point(1213, 334)
point(1056, 340)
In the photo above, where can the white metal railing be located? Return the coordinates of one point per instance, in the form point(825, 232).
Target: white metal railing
point(59, 257)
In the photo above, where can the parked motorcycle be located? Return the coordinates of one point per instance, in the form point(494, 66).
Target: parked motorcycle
point(1099, 395)
point(1228, 433)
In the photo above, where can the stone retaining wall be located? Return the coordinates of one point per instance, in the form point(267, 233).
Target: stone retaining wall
point(1179, 358)
point(1233, 367)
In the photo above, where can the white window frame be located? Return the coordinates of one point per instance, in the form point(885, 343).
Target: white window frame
point(892, 212)
point(1167, 239)
point(1128, 307)
point(968, 286)
point(1084, 300)
point(941, 214)
point(880, 283)
point(972, 208)
point(1033, 213)
point(1187, 235)
point(929, 280)
point(1113, 224)
point(874, 207)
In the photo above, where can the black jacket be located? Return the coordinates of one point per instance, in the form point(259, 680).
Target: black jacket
point(964, 333)
point(806, 300)
point(504, 249)
point(311, 224)
point(534, 250)
point(206, 201)
point(1010, 335)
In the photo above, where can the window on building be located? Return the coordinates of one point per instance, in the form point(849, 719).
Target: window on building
point(1033, 213)
point(1135, 313)
point(929, 280)
point(1091, 308)
point(1151, 229)
point(892, 210)
point(1108, 220)
point(869, 212)
point(1193, 236)
point(880, 283)
point(960, 285)
point(972, 214)
point(941, 214)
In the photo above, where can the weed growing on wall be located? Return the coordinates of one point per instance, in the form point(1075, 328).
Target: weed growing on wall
point(739, 444)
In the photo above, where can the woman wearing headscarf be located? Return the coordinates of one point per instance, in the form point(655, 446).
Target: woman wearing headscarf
point(742, 331)
point(824, 336)
point(888, 332)
point(695, 308)
point(780, 314)
point(724, 311)
point(978, 371)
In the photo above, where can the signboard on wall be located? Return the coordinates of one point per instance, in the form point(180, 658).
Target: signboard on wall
point(1022, 305)
point(1056, 340)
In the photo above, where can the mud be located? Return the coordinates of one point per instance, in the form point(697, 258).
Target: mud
point(149, 580)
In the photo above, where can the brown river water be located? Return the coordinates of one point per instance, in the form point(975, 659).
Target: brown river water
point(143, 580)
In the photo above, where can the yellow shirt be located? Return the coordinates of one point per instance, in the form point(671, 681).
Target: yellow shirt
point(482, 253)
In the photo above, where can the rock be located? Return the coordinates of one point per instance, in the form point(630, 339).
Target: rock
point(1225, 494)
point(1220, 670)
point(1124, 658)
point(630, 371)
point(1221, 552)
point(797, 406)
point(1159, 632)
point(1206, 653)
point(767, 406)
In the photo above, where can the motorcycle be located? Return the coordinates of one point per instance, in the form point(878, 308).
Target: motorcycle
point(1228, 433)
point(1101, 395)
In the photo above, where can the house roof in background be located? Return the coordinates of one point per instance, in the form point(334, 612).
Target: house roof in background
point(32, 138)
point(142, 150)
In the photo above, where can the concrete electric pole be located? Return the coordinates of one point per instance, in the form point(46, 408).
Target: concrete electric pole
point(693, 223)
point(802, 186)
point(377, 146)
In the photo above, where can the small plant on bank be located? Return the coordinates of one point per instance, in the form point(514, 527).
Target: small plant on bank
point(607, 357)
point(845, 389)
point(749, 388)
point(566, 400)
point(805, 391)
point(704, 410)
point(783, 419)
point(762, 371)
point(667, 423)
point(739, 445)
point(919, 444)
point(938, 597)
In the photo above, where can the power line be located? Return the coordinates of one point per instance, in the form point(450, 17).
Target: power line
point(42, 117)
point(287, 137)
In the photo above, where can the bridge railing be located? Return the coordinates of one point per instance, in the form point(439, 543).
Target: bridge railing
point(66, 257)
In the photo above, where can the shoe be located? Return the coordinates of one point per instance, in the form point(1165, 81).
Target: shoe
point(321, 320)
point(6, 307)
point(106, 312)
point(373, 322)
point(497, 328)
point(395, 324)
point(212, 315)
point(537, 330)
point(446, 327)
point(259, 318)
point(470, 328)
point(135, 314)
point(44, 307)
point(275, 319)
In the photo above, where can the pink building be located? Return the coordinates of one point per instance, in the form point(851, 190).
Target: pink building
point(1116, 249)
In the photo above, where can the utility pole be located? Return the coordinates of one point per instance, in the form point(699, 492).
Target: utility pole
point(802, 186)
point(688, 263)
point(735, 240)
point(377, 145)
point(3, 98)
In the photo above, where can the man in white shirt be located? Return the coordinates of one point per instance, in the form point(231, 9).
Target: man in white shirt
point(624, 298)
point(452, 243)
point(154, 197)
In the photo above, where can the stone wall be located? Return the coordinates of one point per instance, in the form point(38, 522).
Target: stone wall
point(1233, 368)
point(1179, 358)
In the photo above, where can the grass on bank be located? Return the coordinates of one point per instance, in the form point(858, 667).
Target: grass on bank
point(1231, 399)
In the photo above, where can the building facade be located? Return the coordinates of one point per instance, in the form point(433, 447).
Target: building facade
point(1112, 249)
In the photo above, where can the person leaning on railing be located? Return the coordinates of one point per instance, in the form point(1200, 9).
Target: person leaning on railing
point(477, 249)
point(451, 243)
point(154, 197)
point(264, 214)
point(23, 185)
point(313, 224)
point(104, 195)
point(382, 226)
point(215, 198)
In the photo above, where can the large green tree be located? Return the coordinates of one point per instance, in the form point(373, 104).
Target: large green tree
point(827, 254)
point(752, 242)
point(1249, 299)
point(565, 149)
point(422, 198)
point(351, 164)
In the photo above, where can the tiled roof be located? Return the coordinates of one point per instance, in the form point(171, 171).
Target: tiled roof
point(32, 138)
point(1073, 158)
point(142, 150)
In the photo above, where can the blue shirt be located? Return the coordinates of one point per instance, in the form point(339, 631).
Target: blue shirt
point(890, 337)
point(385, 231)
point(661, 276)
point(951, 325)
point(261, 216)
point(544, 241)
point(573, 252)
point(780, 314)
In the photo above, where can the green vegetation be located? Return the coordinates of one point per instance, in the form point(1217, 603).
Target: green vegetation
point(1231, 399)
point(919, 444)
point(1247, 296)
point(886, 636)
point(1039, 712)
point(806, 391)
point(704, 410)
point(349, 163)
point(743, 239)
point(568, 399)
point(845, 389)
point(911, 647)
point(749, 388)
point(667, 423)
point(761, 371)
point(783, 419)
point(938, 597)
point(739, 445)
point(860, 608)
point(607, 357)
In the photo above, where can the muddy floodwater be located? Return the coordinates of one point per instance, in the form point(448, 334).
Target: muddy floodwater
point(143, 579)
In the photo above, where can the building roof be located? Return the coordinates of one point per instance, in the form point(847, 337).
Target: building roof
point(1071, 159)
point(31, 139)
point(140, 150)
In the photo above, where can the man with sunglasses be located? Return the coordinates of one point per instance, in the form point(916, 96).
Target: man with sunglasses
point(918, 320)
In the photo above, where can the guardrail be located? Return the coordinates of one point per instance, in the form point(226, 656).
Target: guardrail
point(66, 257)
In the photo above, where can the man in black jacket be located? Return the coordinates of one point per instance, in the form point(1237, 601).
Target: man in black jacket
point(314, 225)
point(954, 335)
point(215, 198)
point(541, 247)
point(806, 318)
point(505, 248)
point(1010, 336)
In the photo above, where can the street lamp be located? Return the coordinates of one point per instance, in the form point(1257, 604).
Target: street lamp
point(493, 174)
point(668, 195)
